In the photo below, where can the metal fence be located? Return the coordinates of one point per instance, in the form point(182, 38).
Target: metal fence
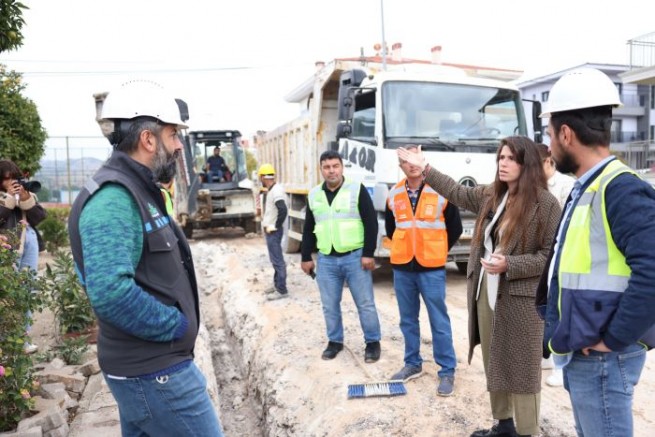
point(66, 165)
point(642, 51)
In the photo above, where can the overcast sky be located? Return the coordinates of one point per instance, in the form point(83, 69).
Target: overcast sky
point(234, 61)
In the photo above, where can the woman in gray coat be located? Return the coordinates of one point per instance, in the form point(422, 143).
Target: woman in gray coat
point(517, 220)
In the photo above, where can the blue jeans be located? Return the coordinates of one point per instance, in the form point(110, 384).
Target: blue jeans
point(215, 175)
point(331, 272)
point(431, 286)
point(274, 244)
point(172, 405)
point(30, 257)
point(29, 260)
point(601, 387)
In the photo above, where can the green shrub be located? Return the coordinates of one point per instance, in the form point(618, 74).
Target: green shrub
point(53, 228)
point(61, 213)
point(68, 299)
point(72, 349)
point(16, 298)
point(54, 234)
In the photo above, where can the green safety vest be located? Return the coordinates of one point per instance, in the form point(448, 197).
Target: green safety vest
point(338, 225)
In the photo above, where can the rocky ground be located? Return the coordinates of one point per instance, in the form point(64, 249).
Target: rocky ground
point(272, 381)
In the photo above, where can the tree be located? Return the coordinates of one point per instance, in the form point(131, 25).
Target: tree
point(251, 162)
point(11, 23)
point(22, 137)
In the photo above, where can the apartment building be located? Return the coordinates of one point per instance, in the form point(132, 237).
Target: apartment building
point(632, 125)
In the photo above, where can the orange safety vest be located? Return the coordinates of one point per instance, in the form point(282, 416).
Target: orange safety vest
point(421, 234)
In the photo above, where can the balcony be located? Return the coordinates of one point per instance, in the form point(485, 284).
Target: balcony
point(632, 106)
point(637, 154)
point(642, 61)
point(627, 137)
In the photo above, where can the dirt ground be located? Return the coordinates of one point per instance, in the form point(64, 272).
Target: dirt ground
point(271, 378)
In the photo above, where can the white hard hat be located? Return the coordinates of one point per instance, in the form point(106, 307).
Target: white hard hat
point(581, 88)
point(142, 98)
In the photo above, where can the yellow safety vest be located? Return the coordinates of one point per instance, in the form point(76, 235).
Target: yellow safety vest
point(592, 273)
point(338, 225)
point(168, 201)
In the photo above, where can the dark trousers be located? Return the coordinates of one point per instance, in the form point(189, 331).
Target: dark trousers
point(274, 244)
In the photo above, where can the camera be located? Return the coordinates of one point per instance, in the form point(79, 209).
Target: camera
point(31, 186)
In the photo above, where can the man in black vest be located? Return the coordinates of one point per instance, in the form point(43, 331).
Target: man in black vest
point(136, 267)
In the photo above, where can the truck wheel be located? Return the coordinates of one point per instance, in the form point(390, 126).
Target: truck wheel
point(188, 230)
point(291, 245)
point(462, 266)
point(249, 226)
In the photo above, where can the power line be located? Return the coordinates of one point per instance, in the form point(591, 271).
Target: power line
point(149, 71)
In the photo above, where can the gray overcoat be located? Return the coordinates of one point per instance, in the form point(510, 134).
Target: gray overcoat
point(516, 340)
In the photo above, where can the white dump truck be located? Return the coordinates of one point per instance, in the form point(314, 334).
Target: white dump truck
point(366, 113)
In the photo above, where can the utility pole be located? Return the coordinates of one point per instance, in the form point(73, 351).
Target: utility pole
point(384, 42)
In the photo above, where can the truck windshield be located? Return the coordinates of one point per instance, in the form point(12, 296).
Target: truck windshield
point(452, 117)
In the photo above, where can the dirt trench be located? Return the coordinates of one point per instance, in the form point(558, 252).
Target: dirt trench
point(272, 381)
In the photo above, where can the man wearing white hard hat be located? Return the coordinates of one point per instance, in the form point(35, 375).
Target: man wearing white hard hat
point(597, 294)
point(137, 270)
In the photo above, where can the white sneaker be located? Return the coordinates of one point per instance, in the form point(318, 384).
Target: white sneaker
point(277, 295)
point(556, 378)
point(30, 348)
point(547, 363)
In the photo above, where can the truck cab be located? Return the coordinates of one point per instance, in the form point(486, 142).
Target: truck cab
point(458, 120)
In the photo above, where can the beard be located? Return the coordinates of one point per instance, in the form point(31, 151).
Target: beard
point(164, 164)
point(566, 164)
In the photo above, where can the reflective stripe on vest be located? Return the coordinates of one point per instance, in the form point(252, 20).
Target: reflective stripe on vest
point(338, 225)
point(421, 234)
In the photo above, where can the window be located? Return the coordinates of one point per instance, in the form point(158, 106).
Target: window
point(619, 87)
point(363, 121)
point(544, 96)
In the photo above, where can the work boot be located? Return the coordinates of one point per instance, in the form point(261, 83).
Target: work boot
point(372, 352)
point(270, 290)
point(504, 428)
point(332, 349)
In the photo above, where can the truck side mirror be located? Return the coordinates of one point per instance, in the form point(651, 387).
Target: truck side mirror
point(348, 80)
point(343, 130)
point(536, 122)
point(184, 109)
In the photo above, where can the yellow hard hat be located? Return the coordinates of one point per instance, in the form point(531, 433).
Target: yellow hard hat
point(266, 169)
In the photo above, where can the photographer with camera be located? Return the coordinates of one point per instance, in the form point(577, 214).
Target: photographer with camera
point(20, 211)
